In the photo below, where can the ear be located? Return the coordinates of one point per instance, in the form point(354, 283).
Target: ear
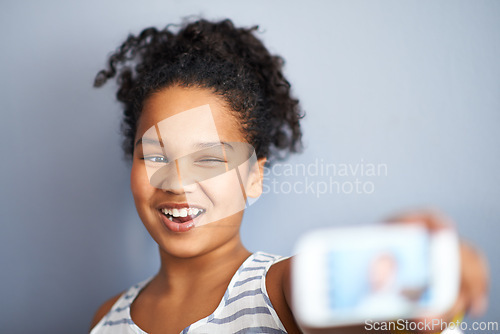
point(256, 179)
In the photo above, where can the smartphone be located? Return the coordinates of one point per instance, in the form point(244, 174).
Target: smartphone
point(346, 276)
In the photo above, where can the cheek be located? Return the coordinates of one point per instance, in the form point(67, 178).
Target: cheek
point(139, 183)
point(225, 194)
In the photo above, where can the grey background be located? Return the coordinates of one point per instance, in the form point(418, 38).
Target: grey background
point(411, 84)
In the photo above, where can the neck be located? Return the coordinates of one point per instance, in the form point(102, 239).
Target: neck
point(184, 273)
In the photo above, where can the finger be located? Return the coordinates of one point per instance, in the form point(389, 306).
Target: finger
point(430, 218)
point(481, 304)
point(458, 308)
point(475, 278)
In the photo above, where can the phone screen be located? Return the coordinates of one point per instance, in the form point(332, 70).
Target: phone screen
point(386, 272)
point(382, 278)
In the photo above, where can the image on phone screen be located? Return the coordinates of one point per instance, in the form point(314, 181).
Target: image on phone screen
point(389, 277)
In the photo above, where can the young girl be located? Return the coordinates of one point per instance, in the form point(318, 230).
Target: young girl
point(190, 99)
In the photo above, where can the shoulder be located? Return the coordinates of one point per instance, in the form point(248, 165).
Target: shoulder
point(104, 309)
point(278, 288)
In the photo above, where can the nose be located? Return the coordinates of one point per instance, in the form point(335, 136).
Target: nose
point(167, 178)
point(170, 179)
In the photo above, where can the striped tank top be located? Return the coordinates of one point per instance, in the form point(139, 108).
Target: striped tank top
point(245, 307)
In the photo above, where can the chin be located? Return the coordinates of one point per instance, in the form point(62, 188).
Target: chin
point(187, 252)
point(188, 246)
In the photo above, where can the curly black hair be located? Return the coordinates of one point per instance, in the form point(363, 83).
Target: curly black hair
point(230, 61)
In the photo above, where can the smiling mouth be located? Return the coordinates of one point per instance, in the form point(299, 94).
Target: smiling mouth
point(182, 215)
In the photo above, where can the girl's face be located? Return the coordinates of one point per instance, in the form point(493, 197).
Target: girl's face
point(191, 124)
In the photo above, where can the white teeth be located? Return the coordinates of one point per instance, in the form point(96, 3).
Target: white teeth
point(183, 213)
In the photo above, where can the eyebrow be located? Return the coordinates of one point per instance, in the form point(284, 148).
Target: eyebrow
point(147, 141)
point(212, 144)
point(198, 145)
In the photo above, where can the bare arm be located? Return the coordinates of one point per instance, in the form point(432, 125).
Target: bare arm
point(286, 288)
point(103, 310)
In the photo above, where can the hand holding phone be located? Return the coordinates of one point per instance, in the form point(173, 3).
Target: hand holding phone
point(348, 276)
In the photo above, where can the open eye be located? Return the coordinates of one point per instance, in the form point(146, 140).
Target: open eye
point(155, 158)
